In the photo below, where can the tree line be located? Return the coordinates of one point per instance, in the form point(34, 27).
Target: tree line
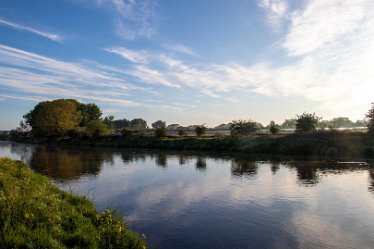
point(69, 117)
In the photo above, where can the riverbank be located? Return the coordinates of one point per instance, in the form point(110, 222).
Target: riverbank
point(34, 213)
point(321, 143)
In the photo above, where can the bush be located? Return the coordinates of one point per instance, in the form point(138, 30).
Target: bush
point(97, 128)
point(200, 130)
point(241, 127)
point(160, 132)
point(181, 133)
point(273, 128)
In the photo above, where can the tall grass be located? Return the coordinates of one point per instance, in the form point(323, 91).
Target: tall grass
point(34, 213)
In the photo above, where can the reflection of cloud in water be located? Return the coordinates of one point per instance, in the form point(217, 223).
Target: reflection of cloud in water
point(314, 231)
point(233, 202)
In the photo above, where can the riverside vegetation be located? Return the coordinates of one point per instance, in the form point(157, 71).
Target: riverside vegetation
point(34, 213)
point(68, 122)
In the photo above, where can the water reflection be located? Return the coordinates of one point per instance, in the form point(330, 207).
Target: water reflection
point(200, 163)
point(161, 160)
point(243, 167)
point(307, 173)
point(371, 176)
point(185, 200)
point(130, 157)
point(274, 167)
point(63, 164)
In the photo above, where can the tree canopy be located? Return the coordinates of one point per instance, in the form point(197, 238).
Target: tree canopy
point(159, 124)
point(306, 122)
point(138, 124)
point(57, 117)
point(242, 127)
point(54, 118)
point(200, 130)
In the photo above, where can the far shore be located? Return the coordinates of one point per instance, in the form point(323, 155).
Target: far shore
point(320, 143)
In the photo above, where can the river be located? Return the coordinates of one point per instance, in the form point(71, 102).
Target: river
point(196, 200)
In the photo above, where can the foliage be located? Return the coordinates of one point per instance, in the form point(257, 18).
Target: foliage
point(222, 127)
point(159, 124)
point(121, 123)
point(160, 132)
point(370, 116)
point(97, 128)
point(34, 213)
point(288, 124)
point(53, 118)
point(306, 122)
point(200, 130)
point(173, 127)
point(109, 121)
point(138, 124)
point(160, 128)
point(89, 112)
point(181, 132)
point(273, 128)
point(242, 127)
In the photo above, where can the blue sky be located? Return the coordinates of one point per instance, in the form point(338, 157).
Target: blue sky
point(189, 62)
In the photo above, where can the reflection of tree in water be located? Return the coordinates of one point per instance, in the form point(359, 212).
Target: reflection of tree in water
point(62, 164)
point(161, 160)
point(200, 163)
point(129, 157)
point(307, 173)
point(274, 167)
point(371, 175)
point(243, 167)
point(25, 151)
point(182, 159)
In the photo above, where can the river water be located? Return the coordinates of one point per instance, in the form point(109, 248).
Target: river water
point(186, 200)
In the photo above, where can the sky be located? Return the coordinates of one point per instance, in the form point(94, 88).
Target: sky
point(189, 62)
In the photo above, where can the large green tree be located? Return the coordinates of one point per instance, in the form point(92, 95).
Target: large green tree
point(54, 118)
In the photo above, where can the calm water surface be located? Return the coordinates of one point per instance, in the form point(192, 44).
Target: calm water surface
point(204, 201)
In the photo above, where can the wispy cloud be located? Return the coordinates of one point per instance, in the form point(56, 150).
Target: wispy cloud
point(179, 48)
point(326, 24)
point(276, 10)
point(32, 74)
point(132, 18)
point(51, 36)
point(333, 67)
point(131, 55)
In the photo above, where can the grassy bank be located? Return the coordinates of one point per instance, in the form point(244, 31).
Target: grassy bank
point(322, 143)
point(34, 213)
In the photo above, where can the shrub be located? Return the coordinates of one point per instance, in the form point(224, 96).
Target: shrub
point(242, 127)
point(273, 128)
point(97, 128)
point(160, 132)
point(181, 133)
point(200, 130)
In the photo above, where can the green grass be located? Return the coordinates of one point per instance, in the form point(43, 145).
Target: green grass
point(34, 213)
